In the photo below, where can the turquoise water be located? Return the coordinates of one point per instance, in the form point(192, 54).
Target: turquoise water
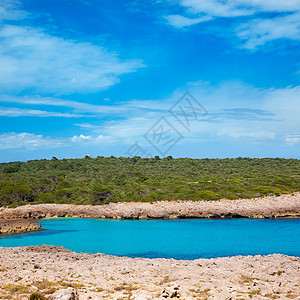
point(181, 239)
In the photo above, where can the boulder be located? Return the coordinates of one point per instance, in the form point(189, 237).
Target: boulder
point(171, 292)
point(65, 294)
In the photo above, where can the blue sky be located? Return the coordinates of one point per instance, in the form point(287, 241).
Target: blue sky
point(96, 77)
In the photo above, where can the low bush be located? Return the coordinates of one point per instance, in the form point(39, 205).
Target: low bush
point(36, 296)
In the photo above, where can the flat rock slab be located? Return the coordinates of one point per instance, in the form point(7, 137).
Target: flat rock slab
point(59, 273)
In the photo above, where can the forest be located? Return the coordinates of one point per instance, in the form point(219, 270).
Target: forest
point(110, 179)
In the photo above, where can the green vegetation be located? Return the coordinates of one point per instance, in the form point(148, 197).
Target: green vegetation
point(36, 296)
point(16, 288)
point(110, 179)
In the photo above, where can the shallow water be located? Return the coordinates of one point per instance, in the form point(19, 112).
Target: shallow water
point(181, 239)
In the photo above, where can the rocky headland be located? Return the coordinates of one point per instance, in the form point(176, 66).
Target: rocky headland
point(58, 273)
point(18, 226)
point(284, 206)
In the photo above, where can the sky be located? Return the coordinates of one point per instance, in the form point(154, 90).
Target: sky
point(186, 78)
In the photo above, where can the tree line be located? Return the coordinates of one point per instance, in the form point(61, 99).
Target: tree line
point(110, 179)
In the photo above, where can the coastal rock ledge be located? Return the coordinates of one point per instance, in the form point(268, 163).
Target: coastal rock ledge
point(284, 206)
point(58, 273)
point(18, 226)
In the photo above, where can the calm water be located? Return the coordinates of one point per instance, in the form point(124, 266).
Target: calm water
point(182, 239)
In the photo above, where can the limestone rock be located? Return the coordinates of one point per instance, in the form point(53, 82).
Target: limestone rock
point(171, 292)
point(65, 294)
point(18, 226)
point(284, 206)
point(100, 276)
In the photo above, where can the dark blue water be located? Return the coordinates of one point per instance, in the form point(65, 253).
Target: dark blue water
point(181, 239)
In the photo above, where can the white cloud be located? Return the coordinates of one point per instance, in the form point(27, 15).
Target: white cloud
point(10, 10)
point(30, 58)
point(19, 112)
point(273, 5)
point(254, 32)
point(27, 141)
point(217, 8)
point(134, 107)
point(80, 138)
point(260, 31)
point(292, 139)
point(92, 140)
point(285, 105)
point(179, 21)
point(30, 141)
point(235, 8)
point(263, 115)
point(48, 101)
point(245, 133)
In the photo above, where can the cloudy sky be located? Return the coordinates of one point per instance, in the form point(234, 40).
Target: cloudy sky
point(109, 78)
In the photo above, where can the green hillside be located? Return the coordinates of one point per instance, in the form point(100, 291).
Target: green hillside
point(110, 179)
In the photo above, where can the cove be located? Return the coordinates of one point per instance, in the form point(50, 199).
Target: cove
point(179, 239)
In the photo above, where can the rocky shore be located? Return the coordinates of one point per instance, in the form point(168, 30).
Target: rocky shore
point(284, 206)
point(18, 226)
point(58, 273)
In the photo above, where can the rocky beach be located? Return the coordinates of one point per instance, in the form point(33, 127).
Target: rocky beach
point(284, 206)
point(59, 273)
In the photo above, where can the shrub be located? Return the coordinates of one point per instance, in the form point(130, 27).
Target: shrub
point(208, 195)
point(36, 296)
point(100, 192)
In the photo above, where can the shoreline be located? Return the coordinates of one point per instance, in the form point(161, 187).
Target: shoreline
point(52, 269)
point(283, 206)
